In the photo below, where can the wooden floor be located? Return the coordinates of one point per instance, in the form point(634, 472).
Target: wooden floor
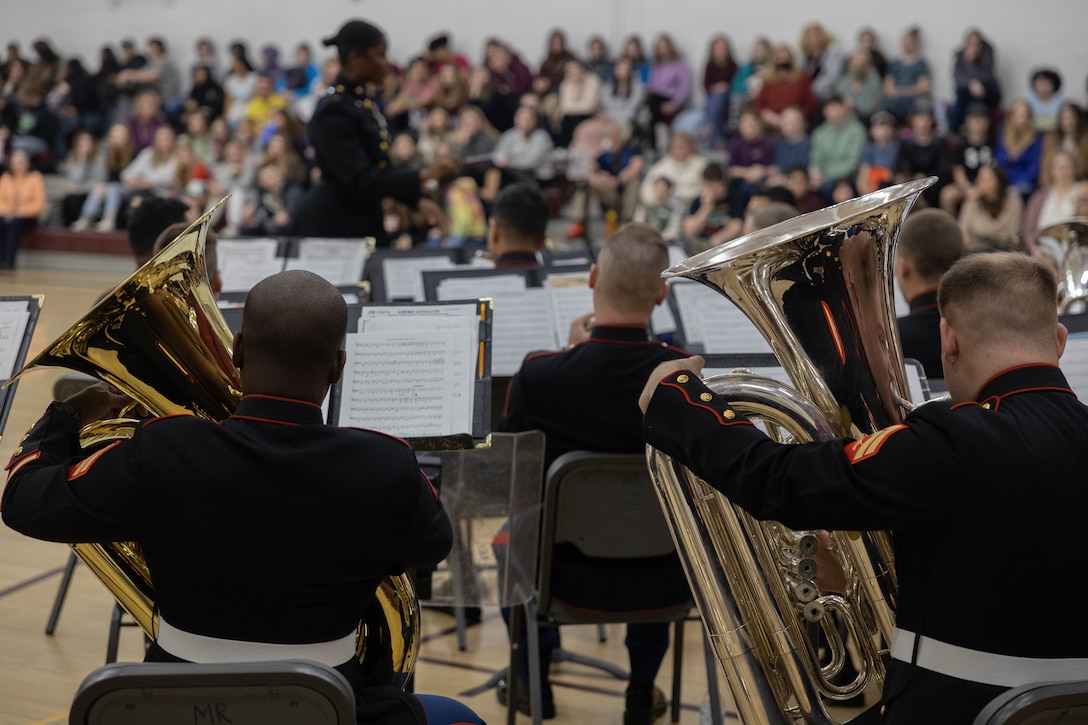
point(39, 674)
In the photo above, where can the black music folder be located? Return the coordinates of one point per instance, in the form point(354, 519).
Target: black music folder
point(18, 318)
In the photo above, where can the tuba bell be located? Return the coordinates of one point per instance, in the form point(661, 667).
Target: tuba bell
point(160, 338)
point(819, 289)
point(1066, 242)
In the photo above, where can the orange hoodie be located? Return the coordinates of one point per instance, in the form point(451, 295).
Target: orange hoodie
point(22, 197)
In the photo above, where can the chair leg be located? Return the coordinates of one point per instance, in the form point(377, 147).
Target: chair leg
point(62, 592)
point(677, 663)
point(712, 682)
point(562, 655)
point(536, 693)
point(517, 621)
point(115, 634)
point(602, 634)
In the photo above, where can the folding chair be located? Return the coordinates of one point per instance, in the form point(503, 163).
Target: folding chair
point(1037, 704)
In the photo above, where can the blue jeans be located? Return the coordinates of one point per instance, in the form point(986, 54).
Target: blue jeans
point(717, 113)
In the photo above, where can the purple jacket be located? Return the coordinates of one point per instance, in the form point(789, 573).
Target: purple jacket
point(671, 79)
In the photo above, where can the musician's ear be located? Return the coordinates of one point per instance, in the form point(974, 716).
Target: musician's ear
point(950, 343)
point(337, 368)
point(1063, 337)
point(236, 355)
point(662, 294)
point(594, 273)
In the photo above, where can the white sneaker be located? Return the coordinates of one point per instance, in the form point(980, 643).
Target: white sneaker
point(106, 225)
point(81, 224)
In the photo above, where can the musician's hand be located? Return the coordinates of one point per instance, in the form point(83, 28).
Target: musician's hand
point(694, 364)
point(98, 402)
point(580, 327)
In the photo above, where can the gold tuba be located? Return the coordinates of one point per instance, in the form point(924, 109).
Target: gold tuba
point(161, 339)
point(1066, 242)
point(819, 288)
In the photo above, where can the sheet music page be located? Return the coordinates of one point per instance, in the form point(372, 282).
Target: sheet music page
point(471, 288)
point(14, 317)
point(407, 385)
point(403, 276)
point(902, 307)
point(569, 297)
point(340, 261)
point(421, 319)
point(522, 324)
point(1074, 364)
point(245, 262)
point(662, 321)
point(714, 321)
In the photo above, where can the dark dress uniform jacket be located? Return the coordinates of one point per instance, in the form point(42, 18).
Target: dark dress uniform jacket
point(920, 334)
point(985, 500)
point(586, 399)
point(268, 527)
point(350, 138)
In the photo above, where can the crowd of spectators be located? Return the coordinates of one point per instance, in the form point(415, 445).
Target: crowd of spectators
point(643, 134)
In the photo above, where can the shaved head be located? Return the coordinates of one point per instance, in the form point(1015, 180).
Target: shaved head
point(630, 266)
point(293, 325)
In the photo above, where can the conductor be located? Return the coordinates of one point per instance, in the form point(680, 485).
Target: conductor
point(351, 140)
point(298, 521)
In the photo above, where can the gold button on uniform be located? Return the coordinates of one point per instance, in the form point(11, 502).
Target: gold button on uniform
point(706, 397)
point(729, 415)
point(682, 379)
point(986, 406)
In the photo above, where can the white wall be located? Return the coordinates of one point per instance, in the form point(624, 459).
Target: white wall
point(1026, 33)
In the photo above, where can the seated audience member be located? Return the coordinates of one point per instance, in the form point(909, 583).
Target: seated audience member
point(868, 42)
point(467, 220)
point(843, 190)
point(440, 53)
point(669, 89)
point(684, 169)
point(640, 64)
point(474, 140)
point(806, 198)
point(785, 86)
point(518, 228)
point(880, 157)
point(793, 147)
point(710, 214)
point(247, 469)
point(106, 197)
point(1019, 149)
point(1071, 136)
point(146, 119)
point(836, 146)
point(554, 66)
point(198, 134)
point(404, 152)
point(510, 79)
point(160, 74)
point(275, 201)
point(265, 100)
point(623, 96)
point(153, 169)
point(924, 153)
point(975, 78)
point(613, 178)
point(301, 76)
point(769, 205)
point(610, 355)
point(597, 59)
point(417, 90)
point(992, 216)
point(974, 151)
point(861, 86)
point(660, 214)
point(821, 59)
point(1046, 99)
point(579, 99)
point(1054, 202)
point(930, 242)
point(84, 169)
point(238, 84)
point(751, 73)
point(452, 92)
point(906, 86)
point(950, 467)
point(405, 227)
point(28, 124)
point(22, 200)
point(751, 159)
point(434, 131)
point(206, 96)
point(191, 176)
point(524, 153)
point(236, 175)
point(147, 220)
point(206, 55)
point(717, 82)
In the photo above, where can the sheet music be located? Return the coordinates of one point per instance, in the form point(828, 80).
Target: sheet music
point(14, 317)
point(422, 319)
point(522, 324)
point(714, 322)
point(1074, 364)
point(408, 385)
point(340, 261)
point(569, 297)
point(662, 321)
point(470, 288)
point(245, 262)
point(403, 276)
point(902, 307)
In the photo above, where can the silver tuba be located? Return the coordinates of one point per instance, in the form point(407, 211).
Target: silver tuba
point(1066, 242)
point(819, 288)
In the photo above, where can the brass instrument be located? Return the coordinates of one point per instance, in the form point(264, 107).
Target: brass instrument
point(1066, 242)
point(161, 339)
point(819, 288)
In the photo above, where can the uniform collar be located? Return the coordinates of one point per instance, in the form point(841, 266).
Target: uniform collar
point(619, 333)
point(1024, 379)
point(517, 259)
point(284, 411)
point(924, 301)
point(344, 86)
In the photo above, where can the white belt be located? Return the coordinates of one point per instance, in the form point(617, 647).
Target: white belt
point(985, 667)
point(212, 650)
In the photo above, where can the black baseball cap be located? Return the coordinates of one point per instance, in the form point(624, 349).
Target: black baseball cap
point(355, 35)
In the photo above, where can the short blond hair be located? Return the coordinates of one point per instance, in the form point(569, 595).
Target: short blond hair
point(1004, 299)
point(629, 268)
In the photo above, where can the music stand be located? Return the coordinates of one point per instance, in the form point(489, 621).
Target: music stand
point(18, 318)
